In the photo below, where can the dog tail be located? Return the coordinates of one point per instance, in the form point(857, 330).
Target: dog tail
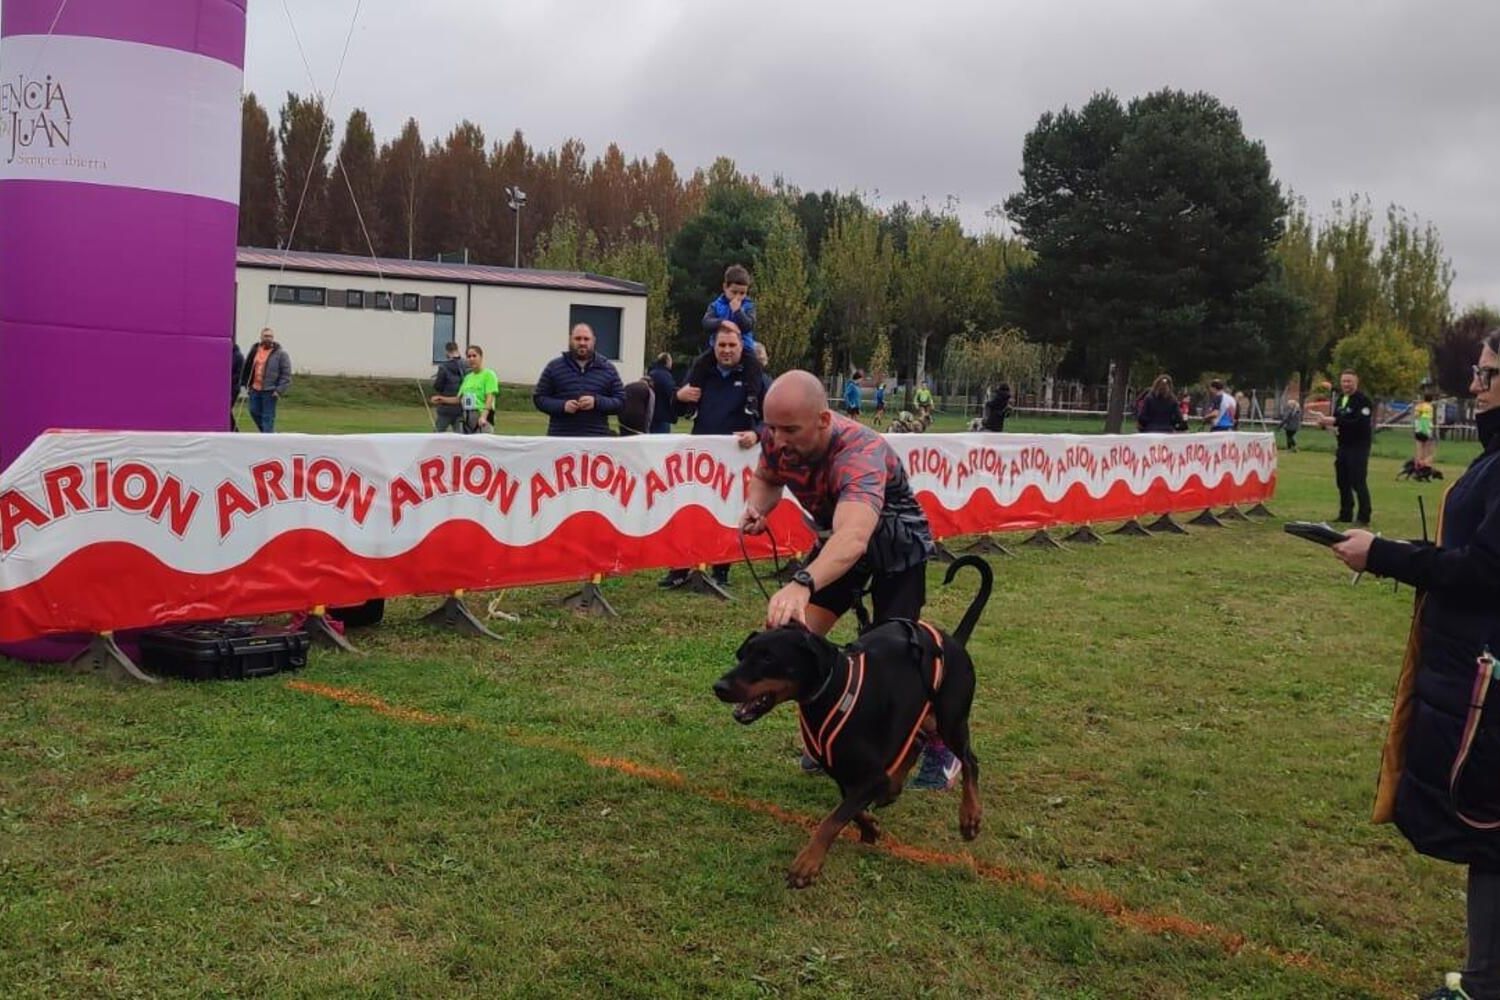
point(976, 607)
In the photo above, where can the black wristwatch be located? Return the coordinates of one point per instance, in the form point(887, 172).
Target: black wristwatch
point(803, 577)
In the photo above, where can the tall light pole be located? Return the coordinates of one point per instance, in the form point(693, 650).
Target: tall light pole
point(516, 199)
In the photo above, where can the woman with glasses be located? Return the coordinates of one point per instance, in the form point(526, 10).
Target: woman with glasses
point(1440, 769)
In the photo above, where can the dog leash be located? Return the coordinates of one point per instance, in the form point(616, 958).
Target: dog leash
point(1483, 674)
point(775, 558)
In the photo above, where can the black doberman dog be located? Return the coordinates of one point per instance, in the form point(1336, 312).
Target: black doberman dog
point(861, 708)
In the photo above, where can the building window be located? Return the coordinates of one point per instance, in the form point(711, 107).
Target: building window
point(411, 302)
point(299, 295)
point(383, 300)
point(605, 322)
point(354, 299)
point(442, 327)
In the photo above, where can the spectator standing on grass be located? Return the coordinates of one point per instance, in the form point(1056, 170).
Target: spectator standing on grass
point(997, 408)
point(924, 398)
point(1291, 422)
point(852, 397)
point(721, 406)
point(1159, 413)
point(1351, 420)
point(1424, 432)
point(236, 366)
point(879, 400)
point(1438, 775)
point(267, 376)
point(579, 390)
point(735, 305)
point(476, 395)
point(638, 408)
point(445, 382)
point(1221, 406)
point(663, 387)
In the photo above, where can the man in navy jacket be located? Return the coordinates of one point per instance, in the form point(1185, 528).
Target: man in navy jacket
point(579, 390)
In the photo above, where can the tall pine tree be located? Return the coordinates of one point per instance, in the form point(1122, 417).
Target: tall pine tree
point(402, 192)
point(260, 208)
point(351, 191)
point(306, 135)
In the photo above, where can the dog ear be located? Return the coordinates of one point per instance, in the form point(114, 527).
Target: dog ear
point(739, 654)
point(819, 648)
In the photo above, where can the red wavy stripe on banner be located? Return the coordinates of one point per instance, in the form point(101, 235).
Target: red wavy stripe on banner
point(1031, 509)
point(302, 568)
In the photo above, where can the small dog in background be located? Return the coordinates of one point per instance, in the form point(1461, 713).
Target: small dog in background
point(1418, 473)
point(909, 423)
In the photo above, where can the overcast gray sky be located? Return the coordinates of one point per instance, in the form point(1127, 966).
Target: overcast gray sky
point(1397, 100)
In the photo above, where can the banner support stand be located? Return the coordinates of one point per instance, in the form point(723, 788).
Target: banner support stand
point(699, 582)
point(986, 545)
point(104, 654)
point(455, 614)
point(1208, 520)
point(319, 627)
point(1041, 540)
point(1164, 525)
point(591, 600)
point(1084, 534)
point(1232, 513)
point(1260, 510)
point(942, 553)
point(1132, 527)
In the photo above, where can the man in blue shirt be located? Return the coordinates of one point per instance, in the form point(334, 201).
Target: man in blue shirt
point(851, 396)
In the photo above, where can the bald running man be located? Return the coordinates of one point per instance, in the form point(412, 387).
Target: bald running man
point(870, 527)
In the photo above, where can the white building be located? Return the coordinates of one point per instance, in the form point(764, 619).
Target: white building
point(345, 315)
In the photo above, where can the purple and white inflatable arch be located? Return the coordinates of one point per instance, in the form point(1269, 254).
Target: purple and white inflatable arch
point(119, 204)
point(119, 191)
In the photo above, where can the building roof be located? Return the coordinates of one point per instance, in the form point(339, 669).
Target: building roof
point(426, 270)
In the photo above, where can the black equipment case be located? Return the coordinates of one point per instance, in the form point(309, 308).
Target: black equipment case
point(227, 650)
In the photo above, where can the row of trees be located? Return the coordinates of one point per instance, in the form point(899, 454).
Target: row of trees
point(410, 198)
point(1163, 241)
point(835, 281)
point(1380, 306)
point(1151, 236)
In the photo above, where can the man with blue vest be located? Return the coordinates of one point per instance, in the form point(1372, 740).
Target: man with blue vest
point(579, 390)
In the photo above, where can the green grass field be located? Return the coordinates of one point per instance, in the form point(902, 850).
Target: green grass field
point(1180, 737)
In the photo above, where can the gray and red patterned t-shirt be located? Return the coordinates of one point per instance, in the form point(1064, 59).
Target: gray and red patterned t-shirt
point(860, 466)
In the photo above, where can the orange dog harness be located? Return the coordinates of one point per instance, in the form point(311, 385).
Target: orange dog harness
point(821, 744)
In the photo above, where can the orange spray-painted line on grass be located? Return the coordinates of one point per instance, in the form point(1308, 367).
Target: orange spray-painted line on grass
point(1094, 901)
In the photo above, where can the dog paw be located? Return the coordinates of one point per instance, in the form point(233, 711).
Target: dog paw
point(804, 871)
point(969, 822)
point(869, 828)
